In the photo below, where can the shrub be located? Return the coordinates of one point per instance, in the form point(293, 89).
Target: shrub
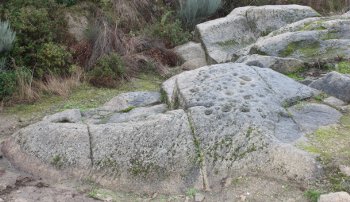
point(67, 2)
point(108, 71)
point(53, 59)
point(194, 11)
point(170, 29)
point(7, 37)
point(36, 23)
point(7, 84)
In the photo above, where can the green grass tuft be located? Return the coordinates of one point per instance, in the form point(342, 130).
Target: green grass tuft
point(312, 195)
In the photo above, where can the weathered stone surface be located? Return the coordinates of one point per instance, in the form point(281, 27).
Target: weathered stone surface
point(234, 109)
point(132, 99)
point(335, 84)
point(68, 116)
point(311, 40)
point(169, 91)
point(59, 144)
point(190, 51)
point(282, 65)
point(152, 149)
point(310, 117)
point(335, 102)
point(335, 197)
point(198, 197)
point(137, 114)
point(225, 39)
point(194, 64)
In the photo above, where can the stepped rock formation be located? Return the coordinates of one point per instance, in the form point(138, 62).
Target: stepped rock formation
point(226, 39)
point(208, 124)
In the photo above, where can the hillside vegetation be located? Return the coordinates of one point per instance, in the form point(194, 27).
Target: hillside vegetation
point(50, 47)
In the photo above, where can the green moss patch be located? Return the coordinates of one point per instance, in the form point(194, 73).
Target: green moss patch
point(228, 43)
point(312, 26)
point(306, 48)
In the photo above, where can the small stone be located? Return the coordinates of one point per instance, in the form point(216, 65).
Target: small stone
point(199, 197)
point(1, 200)
point(345, 170)
point(227, 182)
point(335, 197)
point(242, 197)
point(334, 102)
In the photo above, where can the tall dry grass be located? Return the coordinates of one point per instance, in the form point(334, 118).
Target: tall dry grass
point(134, 14)
point(61, 86)
point(29, 90)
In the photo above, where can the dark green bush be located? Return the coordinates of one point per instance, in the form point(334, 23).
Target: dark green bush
point(169, 28)
point(67, 2)
point(7, 83)
point(108, 71)
point(53, 59)
point(37, 23)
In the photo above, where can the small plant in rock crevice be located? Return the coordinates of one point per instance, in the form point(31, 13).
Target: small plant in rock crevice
point(312, 195)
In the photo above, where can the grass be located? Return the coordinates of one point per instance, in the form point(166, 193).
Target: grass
point(297, 75)
point(331, 144)
point(102, 194)
point(57, 161)
point(84, 97)
point(343, 67)
point(320, 97)
point(312, 195)
point(191, 192)
point(127, 109)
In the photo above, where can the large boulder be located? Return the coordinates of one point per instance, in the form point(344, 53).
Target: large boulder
point(156, 149)
point(335, 84)
point(222, 121)
point(234, 110)
point(311, 40)
point(226, 38)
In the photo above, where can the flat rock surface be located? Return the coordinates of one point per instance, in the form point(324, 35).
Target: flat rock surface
point(132, 99)
point(137, 114)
